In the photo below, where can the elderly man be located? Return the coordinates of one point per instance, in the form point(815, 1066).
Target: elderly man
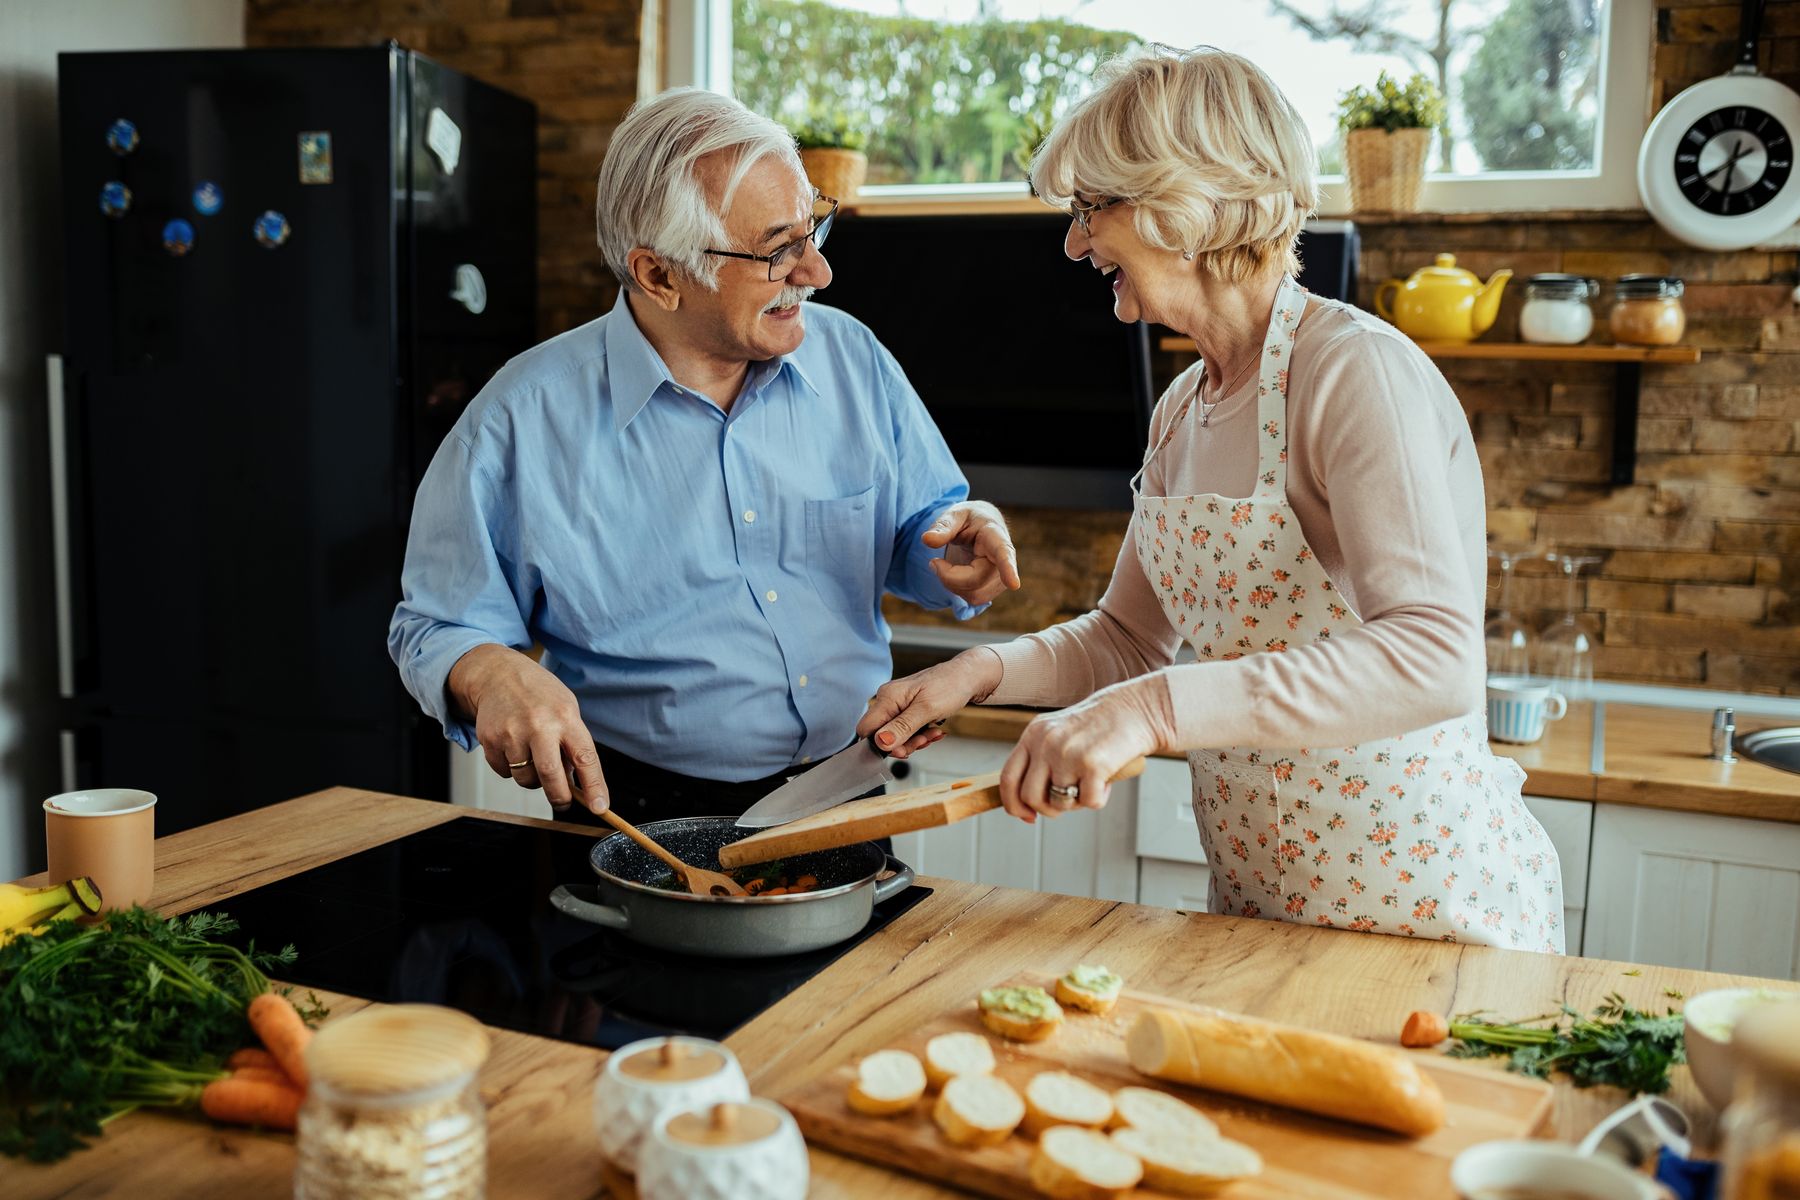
point(693, 504)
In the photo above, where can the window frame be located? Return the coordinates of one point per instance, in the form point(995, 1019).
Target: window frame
point(697, 51)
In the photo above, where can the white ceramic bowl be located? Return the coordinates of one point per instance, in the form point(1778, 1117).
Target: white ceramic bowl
point(1558, 1169)
point(1708, 1019)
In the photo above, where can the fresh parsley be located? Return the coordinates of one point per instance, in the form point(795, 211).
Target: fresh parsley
point(1616, 1045)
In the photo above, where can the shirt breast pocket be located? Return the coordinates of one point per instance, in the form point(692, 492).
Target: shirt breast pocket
point(840, 551)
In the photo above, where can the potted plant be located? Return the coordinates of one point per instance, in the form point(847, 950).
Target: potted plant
point(832, 154)
point(1387, 138)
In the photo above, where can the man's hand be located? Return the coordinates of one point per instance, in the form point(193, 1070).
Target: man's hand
point(979, 561)
point(903, 709)
point(529, 726)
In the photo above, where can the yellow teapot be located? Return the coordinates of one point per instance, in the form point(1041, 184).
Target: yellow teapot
point(1442, 303)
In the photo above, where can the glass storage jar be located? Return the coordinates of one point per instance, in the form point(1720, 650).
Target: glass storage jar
point(1762, 1124)
point(1556, 311)
point(1647, 310)
point(392, 1108)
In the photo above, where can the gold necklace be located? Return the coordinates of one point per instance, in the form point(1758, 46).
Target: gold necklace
point(1207, 409)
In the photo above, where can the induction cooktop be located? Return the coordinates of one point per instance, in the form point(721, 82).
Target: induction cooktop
point(459, 915)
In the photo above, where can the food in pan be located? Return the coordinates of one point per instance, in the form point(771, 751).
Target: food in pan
point(1280, 1064)
point(1024, 1014)
point(1072, 1163)
point(759, 879)
point(1059, 1098)
point(1091, 989)
point(887, 1082)
point(978, 1110)
point(951, 1054)
point(1188, 1166)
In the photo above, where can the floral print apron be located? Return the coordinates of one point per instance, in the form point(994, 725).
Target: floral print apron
point(1421, 835)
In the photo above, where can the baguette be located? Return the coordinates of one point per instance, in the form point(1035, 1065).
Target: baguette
point(1059, 1098)
point(1298, 1068)
point(888, 1082)
point(978, 1110)
point(1091, 989)
point(1024, 1014)
point(951, 1054)
point(1072, 1163)
point(1160, 1113)
point(1188, 1167)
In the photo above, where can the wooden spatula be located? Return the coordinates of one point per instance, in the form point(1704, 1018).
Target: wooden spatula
point(697, 880)
point(880, 816)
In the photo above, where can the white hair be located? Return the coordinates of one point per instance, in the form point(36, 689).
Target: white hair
point(1217, 162)
point(650, 191)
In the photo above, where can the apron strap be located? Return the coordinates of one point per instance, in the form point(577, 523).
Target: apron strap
point(1271, 392)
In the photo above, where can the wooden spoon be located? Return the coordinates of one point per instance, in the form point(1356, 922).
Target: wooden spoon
point(697, 880)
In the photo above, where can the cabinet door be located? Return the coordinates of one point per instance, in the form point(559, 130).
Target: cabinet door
point(1688, 890)
point(1173, 884)
point(1570, 826)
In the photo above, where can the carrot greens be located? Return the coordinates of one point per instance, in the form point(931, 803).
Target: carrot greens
point(1616, 1045)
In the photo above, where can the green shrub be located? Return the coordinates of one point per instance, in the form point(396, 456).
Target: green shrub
point(1389, 106)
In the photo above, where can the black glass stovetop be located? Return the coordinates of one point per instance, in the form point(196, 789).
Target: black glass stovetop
point(459, 915)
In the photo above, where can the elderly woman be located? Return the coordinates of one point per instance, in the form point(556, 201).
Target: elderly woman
point(1309, 518)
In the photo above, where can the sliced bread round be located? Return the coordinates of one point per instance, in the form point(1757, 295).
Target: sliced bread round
point(1073, 1163)
point(887, 1082)
point(1091, 989)
point(1059, 1098)
point(978, 1110)
point(1024, 1014)
point(1158, 1112)
point(951, 1054)
point(1188, 1166)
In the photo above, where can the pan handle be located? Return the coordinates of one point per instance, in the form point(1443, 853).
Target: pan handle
point(564, 900)
point(1750, 14)
point(899, 881)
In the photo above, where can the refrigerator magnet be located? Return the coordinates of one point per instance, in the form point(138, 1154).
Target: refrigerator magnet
point(115, 199)
point(208, 198)
point(177, 237)
point(121, 137)
point(444, 139)
point(272, 229)
point(315, 157)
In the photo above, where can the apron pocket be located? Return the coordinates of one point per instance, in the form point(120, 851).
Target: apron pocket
point(1238, 808)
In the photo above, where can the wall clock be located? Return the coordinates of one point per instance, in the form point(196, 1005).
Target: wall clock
point(1716, 167)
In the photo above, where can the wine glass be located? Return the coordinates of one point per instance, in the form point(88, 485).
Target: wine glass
point(1566, 651)
point(1508, 638)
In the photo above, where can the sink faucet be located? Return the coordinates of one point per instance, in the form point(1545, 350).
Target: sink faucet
point(1724, 731)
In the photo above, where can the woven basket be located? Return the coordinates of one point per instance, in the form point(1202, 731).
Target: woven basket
point(837, 173)
point(1386, 169)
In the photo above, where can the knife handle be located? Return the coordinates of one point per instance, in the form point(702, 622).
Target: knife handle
point(876, 747)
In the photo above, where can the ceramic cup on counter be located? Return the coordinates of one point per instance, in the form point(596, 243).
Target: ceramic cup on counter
point(650, 1079)
point(1517, 708)
point(108, 834)
point(1538, 1170)
point(726, 1151)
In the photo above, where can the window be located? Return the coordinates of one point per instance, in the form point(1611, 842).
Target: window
point(1547, 97)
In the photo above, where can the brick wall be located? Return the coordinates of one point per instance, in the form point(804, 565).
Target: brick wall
point(577, 60)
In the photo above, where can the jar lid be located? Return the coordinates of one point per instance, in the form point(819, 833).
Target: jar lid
point(725, 1124)
point(673, 1060)
point(1578, 287)
point(387, 1050)
point(1647, 287)
point(1767, 1040)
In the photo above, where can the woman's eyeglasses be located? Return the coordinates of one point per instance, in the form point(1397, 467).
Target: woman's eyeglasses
point(784, 259)
point(1080, 211)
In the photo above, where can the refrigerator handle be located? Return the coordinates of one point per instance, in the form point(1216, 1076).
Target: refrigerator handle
point(68, 527)
point(80, 757)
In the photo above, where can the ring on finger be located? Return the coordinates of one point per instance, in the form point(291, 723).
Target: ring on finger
point(1064, 795)
point(518, 766)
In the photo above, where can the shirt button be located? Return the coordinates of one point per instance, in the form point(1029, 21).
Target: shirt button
point(801, 681)
point(749, 516)
point(769, 595)
point(806, 758)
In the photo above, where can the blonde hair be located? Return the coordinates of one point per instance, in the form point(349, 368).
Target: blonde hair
point(1216, 161)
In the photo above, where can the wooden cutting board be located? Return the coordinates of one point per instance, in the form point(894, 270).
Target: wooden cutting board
point(1302, 1155)
point(879, 817)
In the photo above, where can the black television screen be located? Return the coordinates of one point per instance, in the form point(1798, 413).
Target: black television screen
point(1042, 394)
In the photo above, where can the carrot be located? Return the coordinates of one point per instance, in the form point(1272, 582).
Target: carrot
point(251, 1102)
point(264, 1075)
point(282, 1032)
point(252, 1056)
point(1424, 1029)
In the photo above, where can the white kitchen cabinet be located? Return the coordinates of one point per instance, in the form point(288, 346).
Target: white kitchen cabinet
point(1167, 884)
point(1570, 825)
point(1692, 890)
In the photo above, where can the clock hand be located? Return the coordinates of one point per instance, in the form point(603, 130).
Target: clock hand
point(1738, 151)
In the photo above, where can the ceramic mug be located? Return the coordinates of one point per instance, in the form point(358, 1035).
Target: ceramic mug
point(1530, 1167)
point(108, 834)
point(1517, 708)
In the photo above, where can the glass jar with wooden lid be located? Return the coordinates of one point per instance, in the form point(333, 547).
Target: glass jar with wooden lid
point(749, 1151)
point(1762, 1123)
point(392, 1108)
point(1647, 310)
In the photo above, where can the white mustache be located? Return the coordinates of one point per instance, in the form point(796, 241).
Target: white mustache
point(790, 296)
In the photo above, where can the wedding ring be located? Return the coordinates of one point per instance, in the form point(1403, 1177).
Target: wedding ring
point(1064, 797)
point(524, 762)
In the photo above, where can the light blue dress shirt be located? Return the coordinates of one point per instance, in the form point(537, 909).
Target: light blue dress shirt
point(708, 585)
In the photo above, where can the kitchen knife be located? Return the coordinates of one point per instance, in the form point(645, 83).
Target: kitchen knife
point(859, 768)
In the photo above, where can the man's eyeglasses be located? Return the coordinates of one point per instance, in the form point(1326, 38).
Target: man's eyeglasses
point(785, 258)
point(1080, 211)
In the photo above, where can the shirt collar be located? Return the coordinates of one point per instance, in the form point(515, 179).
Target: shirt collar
point(635, 371)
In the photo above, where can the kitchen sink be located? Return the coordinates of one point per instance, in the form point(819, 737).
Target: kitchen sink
point(1778, 748)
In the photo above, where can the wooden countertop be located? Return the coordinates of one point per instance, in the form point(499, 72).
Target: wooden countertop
point(963, 937)
point(1655, 757)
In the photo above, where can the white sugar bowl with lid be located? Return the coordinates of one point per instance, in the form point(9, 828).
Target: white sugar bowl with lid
point(653, 1078)
point(728, 1151)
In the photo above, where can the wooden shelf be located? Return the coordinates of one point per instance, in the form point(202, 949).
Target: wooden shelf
point(1627, 379)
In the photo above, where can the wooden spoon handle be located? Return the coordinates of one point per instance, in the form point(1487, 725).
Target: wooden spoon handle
point(641, 838)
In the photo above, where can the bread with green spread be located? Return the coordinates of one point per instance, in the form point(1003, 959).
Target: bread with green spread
point(1024, 1014)
point(1091, 989)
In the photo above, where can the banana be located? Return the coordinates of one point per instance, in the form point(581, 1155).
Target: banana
point(23, 907)
point(68, 912)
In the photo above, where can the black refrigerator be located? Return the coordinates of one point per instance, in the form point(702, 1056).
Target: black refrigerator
point(287, 273)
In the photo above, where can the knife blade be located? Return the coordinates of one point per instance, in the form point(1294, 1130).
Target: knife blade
point(859, 768)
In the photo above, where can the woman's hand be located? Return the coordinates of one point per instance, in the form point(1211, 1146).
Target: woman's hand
point(903, 708)
point(1082, 746)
